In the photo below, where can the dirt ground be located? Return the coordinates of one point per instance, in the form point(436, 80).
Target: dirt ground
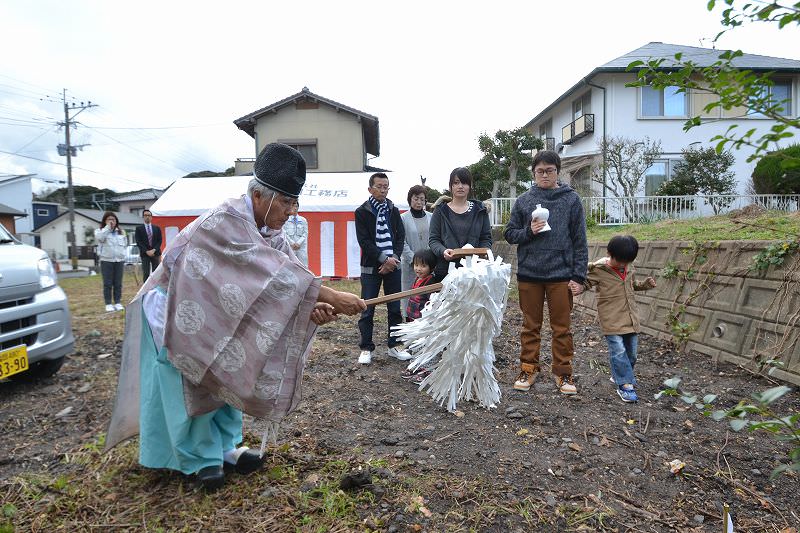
point(539, 461)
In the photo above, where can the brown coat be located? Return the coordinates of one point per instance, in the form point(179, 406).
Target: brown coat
point(616, 305)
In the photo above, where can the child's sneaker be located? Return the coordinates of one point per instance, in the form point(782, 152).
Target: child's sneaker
point(420, 375)
point(627, 393)
point(566, 385)
point(407, 373)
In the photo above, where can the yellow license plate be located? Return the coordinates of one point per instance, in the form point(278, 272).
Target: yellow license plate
point(13, 361)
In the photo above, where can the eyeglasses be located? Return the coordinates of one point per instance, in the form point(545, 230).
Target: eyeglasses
point(381, 187)
point(546, 171)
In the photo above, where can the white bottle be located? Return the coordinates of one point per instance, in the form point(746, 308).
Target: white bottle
point(542, 213)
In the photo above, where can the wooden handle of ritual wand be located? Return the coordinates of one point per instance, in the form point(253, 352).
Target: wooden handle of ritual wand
point(427, 289)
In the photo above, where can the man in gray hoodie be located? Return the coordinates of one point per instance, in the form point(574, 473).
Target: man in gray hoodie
point(552, 255)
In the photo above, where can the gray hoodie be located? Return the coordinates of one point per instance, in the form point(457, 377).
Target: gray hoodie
point(560, 254)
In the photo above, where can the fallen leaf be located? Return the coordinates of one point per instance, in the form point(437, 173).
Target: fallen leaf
point(631, 422)
point(312, 479)
point(459, 414)
point(522, 432)
point(676, 466)
point(574, 446)
point(604, 442)
point(64, 412)
point(688, 423)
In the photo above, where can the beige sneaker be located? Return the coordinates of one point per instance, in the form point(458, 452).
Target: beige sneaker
point(525, 380)
point(565, 385)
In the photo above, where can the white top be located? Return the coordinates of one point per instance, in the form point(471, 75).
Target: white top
point(111, 246)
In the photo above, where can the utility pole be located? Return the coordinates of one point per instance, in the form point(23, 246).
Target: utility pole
point(73, 248)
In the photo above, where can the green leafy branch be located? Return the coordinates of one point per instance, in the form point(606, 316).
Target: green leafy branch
point(774, 255)
point(756, 415)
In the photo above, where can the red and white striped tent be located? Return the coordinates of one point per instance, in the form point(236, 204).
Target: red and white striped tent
point(328, 202)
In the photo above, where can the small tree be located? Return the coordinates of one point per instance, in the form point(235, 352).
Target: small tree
point(705, 172)
point(622, 172)
point(508, 155)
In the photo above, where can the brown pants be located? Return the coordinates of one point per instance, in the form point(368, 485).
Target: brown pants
point(559, 305)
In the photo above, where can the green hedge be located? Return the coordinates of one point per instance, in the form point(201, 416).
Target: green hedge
point(771, 175)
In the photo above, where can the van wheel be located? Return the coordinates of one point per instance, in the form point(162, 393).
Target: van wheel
point(39, 370)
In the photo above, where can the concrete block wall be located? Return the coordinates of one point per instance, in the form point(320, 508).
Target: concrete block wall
point(739, 314)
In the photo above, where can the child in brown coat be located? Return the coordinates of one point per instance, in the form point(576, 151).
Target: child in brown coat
point(613, 279)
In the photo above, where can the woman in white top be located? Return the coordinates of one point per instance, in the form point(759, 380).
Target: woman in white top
point(416, 222)
point(112, 244)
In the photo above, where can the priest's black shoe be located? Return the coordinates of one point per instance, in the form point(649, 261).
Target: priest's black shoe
point(211, 478)
point(249, 461)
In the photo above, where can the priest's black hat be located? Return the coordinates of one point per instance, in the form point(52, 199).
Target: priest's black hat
point(281, 168)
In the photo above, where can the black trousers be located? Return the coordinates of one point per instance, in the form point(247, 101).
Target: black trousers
point(112, 280)
point(370, 287)
point(149, 264)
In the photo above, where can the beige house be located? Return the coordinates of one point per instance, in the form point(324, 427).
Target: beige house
point(331, 136)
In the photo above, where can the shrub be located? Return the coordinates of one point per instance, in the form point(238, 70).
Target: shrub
point(775, 173)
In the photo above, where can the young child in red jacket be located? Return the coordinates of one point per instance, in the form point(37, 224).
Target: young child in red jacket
point(424, 264)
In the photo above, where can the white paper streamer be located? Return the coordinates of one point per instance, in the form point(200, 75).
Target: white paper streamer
point(460, 323)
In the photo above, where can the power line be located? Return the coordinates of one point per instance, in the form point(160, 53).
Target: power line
point(50, 91)
point(140, 151)
point(18, 150)
point(181, 155)
point(158, 127)
point(83, 169)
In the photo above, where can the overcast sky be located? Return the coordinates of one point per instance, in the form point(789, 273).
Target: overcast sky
point(435, 73)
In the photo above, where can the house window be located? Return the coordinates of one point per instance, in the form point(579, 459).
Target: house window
point(582, 106)
point(306, 147)
point(546, 129)
point(42, 212)
point(666, 102)
point(780, 93)
point(655, 176)
point(138, 210)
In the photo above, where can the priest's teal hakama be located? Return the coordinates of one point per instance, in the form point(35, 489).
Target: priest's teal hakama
point(222, 326)
point(170, 438)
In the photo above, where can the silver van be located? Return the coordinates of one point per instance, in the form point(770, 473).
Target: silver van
point(35, 323)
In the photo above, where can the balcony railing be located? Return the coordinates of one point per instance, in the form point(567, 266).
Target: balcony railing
point(580, 127)
point(611, 210)
point(549, 143)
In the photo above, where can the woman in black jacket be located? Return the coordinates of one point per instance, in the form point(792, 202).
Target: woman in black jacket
point(458, 223)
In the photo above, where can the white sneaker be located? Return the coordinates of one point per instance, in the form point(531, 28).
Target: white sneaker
point(109, 308)
point(399, 353)
point(365, 357)
point(119, 307)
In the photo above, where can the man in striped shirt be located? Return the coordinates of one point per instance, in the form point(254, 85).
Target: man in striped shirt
point(381, 236)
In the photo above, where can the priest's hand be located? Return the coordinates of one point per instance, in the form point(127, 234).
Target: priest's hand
point(323, 313)
point(342, 302)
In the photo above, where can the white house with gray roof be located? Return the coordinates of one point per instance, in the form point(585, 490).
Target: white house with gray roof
point(137, 201)
point(600, 104)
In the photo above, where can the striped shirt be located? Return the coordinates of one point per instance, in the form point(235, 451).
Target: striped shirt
point(383, 235)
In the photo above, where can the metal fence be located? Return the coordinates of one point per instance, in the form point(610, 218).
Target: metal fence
point(610, 210)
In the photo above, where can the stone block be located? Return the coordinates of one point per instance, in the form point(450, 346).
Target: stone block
point(727, 332)
point(769, 340)
point(722, 294)
point(756, 299)
point(656, 254)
